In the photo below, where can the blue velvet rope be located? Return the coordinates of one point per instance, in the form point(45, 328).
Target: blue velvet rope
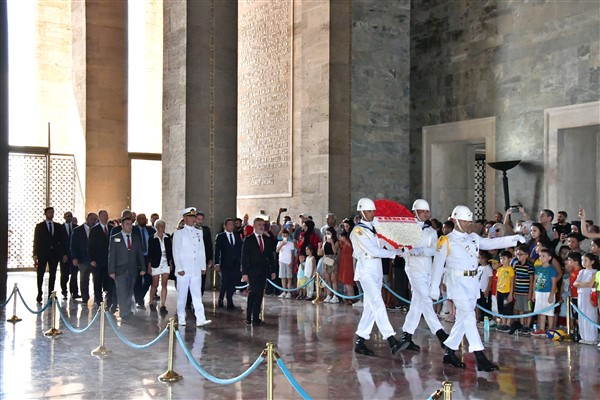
point(292, 289)
point(406, 300)
point(242, 287)
point(291, 379)
point(578, 310)
point(339, 294)
point(41, 310)
point(208, 376)
point(531, 314)
point(73, 329)
point(129, 343)
point(9, 297)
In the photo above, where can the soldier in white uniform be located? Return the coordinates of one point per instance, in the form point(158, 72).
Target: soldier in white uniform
point(459, 251)
point(369, 272)
point(418, 269)
point(190, 265)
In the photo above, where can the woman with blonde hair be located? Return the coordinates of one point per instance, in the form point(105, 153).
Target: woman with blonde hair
point(160, 253)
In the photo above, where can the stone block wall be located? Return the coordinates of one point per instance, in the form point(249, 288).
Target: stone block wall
point(512, 60)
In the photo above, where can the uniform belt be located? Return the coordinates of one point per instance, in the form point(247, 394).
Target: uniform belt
point(462, 272)
point(366, 257)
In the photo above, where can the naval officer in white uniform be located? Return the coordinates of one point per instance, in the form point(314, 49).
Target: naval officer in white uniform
point(369, 272)
point(459, 251)
point(190, 265)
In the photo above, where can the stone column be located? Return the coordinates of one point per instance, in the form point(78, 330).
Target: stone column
point(107, 163)
point(199, 109)
point(3, 148)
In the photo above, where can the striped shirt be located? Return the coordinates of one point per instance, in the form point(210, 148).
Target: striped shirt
point(522, 275)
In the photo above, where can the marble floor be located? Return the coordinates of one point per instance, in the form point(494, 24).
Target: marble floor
point(315, 342)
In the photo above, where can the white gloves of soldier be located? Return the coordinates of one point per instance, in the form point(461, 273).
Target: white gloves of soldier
point(519, 239)
point(434, 293)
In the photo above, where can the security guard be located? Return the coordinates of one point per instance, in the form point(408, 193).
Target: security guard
point(369, 272)
point(459, 251)
point(190, 265)
point(418, 269)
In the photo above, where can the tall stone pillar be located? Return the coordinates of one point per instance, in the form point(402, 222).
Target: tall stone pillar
point(107, 163)
point(3, 148)
point(199, 109)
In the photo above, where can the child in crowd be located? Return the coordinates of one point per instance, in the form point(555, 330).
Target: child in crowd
point(310, 268)
point(573, 266)
point(484, 274)
point(546, 278)
point(301, 277)
point(494, 301)
point(505, 289)
point(285, 249)
point(584, 283)
point(523, 289)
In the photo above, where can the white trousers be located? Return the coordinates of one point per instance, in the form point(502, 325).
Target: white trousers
point(373, 308)
point(465, 324)
point(194, 284)
point(420, 303)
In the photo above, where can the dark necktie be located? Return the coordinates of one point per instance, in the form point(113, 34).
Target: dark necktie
point(144, 233)
point(260, 243)
point(128, 242)
point(50, 229)
point(230, 236)
point(105, 231)
point(69, 230)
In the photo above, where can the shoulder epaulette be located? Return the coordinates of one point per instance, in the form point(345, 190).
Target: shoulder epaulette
point(440, 243)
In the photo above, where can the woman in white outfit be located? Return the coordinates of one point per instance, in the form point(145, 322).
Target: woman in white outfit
point(585, 282)
point(160, 253)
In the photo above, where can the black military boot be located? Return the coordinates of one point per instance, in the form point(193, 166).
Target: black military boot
point(483, 364)
point(450, 358)
point(361, 348)
point(442, 336)
point(397, 346)
point(407, 338)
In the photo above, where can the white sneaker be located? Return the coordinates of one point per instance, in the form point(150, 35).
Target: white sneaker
point(327, 299)
point(358, 304)
point(282, 295)
point(288, 295)
point(204, 323)
point(334, 300)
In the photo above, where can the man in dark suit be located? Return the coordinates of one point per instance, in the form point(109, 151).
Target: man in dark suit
point(258, 264)
point(48, 249)
point(228, 258)
point(143, 282)
point(81, 258)
point(98, 252)
point(208, 247)
point(68, 272)
point(125, 264)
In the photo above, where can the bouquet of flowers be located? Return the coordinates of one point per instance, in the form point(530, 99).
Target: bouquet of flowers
point(396, 225)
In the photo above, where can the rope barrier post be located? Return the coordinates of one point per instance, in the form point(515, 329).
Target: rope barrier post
point(317, 299)
point(270, 358)
point(170, 375)
point(214, 279)
point(568, 337)
point(447, 387)
point(101, 350)
point(14, 319)
point(53, 331)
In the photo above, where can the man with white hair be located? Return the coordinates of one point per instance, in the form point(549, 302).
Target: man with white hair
point(418, 270)
point(459, 251)
point(369, 272)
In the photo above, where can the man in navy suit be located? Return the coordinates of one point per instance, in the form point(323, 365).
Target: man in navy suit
point(143, 282)
point(81, 258)
point(68, 272)
point(228, 258)
point(98, 252)
point(48, 249)
point(258, 264)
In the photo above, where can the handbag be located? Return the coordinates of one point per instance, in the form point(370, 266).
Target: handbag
point(594, 298)
point(328, 260)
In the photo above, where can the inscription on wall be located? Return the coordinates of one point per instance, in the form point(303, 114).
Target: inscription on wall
point(264, 98)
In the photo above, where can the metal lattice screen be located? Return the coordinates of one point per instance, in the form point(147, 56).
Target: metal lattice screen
point(479, 185)
point(28, 187)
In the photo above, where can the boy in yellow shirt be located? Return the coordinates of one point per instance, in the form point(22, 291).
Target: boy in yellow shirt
point(504, 289)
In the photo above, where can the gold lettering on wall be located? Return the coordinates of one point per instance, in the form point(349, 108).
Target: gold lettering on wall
point(264, 98)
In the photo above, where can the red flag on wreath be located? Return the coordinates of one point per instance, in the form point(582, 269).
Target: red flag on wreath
point(396, 224)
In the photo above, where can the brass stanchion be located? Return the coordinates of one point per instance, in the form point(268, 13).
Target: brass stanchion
point(101, 350)
point(568, 337)
point(53, 331)
point(170, 375)
point(14, 319)
point(270, 358)
point(214, 279)
point(437, 394)
point(447, 387)
point(317, 290)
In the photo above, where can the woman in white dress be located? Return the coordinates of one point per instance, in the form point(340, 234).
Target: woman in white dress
point(160, 252)
point(584, 283)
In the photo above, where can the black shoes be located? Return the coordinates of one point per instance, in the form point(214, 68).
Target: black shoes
point(483, 364)
point(248, 322)
point(163, 310)
point(230, 306)
point(140, 306)
point(38, 299)
point(361, 348)
point(64, 294)
point(442, 336)
point(407, 338)
point(515, 326)
point(397, 346)
point(450, 358)
point(220, 303)
point(258, 322)
point(152, 308)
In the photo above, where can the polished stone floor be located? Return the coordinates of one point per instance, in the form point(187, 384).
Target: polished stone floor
point(315, 342)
